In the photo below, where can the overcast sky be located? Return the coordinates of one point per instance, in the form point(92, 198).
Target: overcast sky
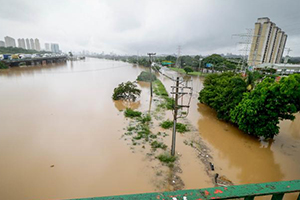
point(131, 26)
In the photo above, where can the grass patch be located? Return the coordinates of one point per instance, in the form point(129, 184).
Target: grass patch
point(159, 89)
point(160, 145)
point(166, 158)
point(131, 113)
point(181, 128)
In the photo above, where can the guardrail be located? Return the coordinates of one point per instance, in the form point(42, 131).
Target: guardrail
point(248, 192)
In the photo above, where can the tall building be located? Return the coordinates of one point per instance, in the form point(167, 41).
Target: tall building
point(21, 43)
point(37, 44)
point(2, 43)
point(10, 42)
point(47, 47)
point(32, 45)
point(268, 43)
point(28, 44)
point(55, 48)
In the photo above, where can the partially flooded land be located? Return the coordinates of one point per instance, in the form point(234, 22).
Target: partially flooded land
point(62, 136)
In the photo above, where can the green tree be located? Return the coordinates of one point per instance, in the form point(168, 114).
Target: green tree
point(260, 110)
point(223, 92)
point(188, 69)
point(126, 91)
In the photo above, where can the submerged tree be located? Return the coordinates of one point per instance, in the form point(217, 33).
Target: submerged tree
point(126, 91)
point(260, 110)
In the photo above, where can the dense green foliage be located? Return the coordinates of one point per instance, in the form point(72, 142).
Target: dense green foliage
point(188, 70)
point(3, 65)
point(146, 77)
point(219, 63)
point(260, 110)
point(139, 60)
point(223, 92)
point(126, 91)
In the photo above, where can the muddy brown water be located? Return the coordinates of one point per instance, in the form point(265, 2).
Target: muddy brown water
point(60, 137)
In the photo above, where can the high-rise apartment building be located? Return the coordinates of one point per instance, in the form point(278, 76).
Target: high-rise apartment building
point(2, 43)
point(55, 48)
point(268, 43)
point(32, 45)
point(10, 42)
point(21, 43)
point(37, 44)
point(28, 44)
point(47, 47)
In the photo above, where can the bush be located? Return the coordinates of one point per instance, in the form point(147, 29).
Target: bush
point(146, 77)
point(166, 158)
point(131, 113)
point(166, 124)
point(188, 70)
point(156, 145)
point(181, 128)
point(126, 91)
point(3, 65)
point(144, 118)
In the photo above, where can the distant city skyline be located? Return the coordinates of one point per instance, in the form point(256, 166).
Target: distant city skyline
point(29, 44)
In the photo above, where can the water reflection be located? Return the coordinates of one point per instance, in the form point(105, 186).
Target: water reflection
point(122, 105)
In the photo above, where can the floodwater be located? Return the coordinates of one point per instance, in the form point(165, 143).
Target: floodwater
point(60, 137)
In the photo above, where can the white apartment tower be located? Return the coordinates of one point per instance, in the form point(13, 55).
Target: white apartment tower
point(37, 44)
point(32, 45)
point(10, 42)
point(28, 44)
point(268, 43)
point(21, 43)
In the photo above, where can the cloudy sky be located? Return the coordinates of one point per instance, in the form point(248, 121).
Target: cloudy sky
point(131, 26)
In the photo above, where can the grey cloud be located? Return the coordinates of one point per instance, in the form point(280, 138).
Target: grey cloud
point(128, 26)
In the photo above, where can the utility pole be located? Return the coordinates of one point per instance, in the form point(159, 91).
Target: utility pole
point(178, 57)
point(150, 60)
point(175, 117)
point(178, 109)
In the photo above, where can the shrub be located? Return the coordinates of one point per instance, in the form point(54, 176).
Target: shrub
point(166, 158)
point(188, 70)
point(146, 77)
point(126, 91)
point(3, 65)
point(156, 145)
point(181, 128)
point(166, 124)
point(145, 118)
point(131, 113)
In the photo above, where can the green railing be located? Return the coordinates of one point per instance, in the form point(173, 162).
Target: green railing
point(248, 192)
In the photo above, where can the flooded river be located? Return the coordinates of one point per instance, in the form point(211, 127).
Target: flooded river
point(60, 137)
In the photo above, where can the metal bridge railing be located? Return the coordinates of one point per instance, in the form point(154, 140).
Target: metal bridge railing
point(248, 192)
